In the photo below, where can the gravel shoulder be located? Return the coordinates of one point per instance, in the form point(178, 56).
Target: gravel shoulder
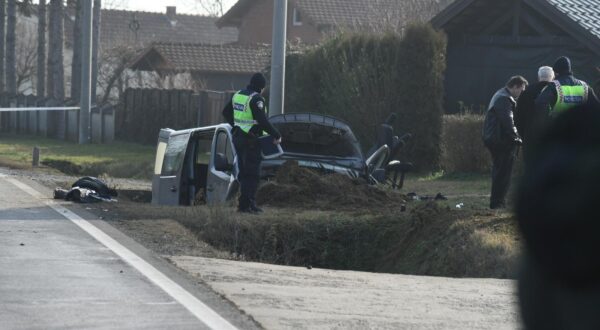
point(280, 297)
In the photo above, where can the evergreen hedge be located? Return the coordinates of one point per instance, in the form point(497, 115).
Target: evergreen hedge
point(362, 78)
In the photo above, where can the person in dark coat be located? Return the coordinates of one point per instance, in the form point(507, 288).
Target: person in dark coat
point(556, 208)
point(572, 92)
point(525, 111)
point(501, 138)
point(247, 114)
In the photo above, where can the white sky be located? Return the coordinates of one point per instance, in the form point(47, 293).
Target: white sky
point(183, 6)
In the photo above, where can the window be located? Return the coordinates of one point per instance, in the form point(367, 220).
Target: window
point(174, 154)
point(224, 147)
point(296, 18)
point(203, 148)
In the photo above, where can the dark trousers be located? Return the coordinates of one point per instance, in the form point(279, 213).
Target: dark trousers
point(503, 159)
point(249, 158)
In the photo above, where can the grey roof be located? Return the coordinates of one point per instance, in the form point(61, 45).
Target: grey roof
point(185, 57)
point(348, 13)
point(368, 13)
point(578, 18)
point(116, 28)
point(585, 12)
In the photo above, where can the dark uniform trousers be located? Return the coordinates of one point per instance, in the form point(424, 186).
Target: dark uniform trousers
point(249, 158)
point(503, 159)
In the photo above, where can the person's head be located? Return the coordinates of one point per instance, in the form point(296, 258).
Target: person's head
point(545, 73)
point(258, 82)
point(516, 85)
point(562, 66)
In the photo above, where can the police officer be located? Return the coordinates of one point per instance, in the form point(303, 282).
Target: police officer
point(247, 114)
point(501, 138)
point(564, 93)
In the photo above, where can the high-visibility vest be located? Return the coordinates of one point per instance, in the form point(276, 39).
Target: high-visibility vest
point(569, 97)
point(242, 114)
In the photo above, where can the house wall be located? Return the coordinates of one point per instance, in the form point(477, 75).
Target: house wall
point(257, 26)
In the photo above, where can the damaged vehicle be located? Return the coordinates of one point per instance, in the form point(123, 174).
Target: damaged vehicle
point(199, 165)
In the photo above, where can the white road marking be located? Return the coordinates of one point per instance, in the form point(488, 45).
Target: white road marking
point(189, 301)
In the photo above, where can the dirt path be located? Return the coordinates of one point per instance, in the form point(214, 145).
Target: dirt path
point(281, 297)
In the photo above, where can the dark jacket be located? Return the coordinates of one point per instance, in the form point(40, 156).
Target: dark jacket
point(548, 97)
point(525, 111)
point(257, 105)
point(499, 129)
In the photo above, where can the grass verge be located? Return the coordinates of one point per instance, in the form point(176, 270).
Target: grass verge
point(124, 160)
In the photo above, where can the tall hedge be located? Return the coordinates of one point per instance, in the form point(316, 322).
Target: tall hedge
point(362, 78)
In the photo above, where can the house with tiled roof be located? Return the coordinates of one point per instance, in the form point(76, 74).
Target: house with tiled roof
point(124, 27)
point(310, 20)
point(490, 40)
point(216, 67)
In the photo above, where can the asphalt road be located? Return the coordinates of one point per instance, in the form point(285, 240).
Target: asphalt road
point(59, 270)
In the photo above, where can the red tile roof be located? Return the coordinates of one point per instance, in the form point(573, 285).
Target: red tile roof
point(118, 28)
point(349, 13)
point(185, 57)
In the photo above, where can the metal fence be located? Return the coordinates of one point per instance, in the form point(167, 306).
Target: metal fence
point(49, 122)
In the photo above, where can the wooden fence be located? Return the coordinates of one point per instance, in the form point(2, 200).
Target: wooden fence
point(55, 124)
point(141, 113)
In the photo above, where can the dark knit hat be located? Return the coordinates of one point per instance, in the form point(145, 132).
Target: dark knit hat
point(258, 80)
point(562, 66)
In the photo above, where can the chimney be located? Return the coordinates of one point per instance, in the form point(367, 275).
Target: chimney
point(171, 12)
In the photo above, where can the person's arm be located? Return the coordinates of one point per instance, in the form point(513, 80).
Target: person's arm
point(546, 100)
point(504, 114)
point(592, 100)
point(257, 105)
point(228, 114)
point(524, 104)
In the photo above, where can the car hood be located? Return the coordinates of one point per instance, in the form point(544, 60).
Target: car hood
point(317, 137)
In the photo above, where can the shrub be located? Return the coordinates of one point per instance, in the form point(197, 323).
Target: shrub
point(462, 147)
point(362, 78)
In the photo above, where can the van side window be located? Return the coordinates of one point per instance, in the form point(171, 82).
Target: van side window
point(174, 154)
point(203, 149)
point(224, 146)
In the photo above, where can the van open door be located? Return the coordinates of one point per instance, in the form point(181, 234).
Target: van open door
point(170, 155)
point(222, 182)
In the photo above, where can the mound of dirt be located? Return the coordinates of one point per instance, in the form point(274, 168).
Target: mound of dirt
point(299, 187)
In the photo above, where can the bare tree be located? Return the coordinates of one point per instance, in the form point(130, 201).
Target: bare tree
point(113, 63)
point(114, 4)
point(26, 57)
point(56, 84)
point(11, 47)
point(2, 44)
point(95, 46)
point(210, 7)
point(41, 50)
point(77, 45)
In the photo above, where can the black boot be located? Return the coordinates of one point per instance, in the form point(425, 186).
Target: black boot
point(255, 208)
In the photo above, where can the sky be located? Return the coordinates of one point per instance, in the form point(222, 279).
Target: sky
point(183, 6)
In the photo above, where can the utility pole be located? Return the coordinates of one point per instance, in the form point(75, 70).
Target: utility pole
point(86, 74)
point(276, 93)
